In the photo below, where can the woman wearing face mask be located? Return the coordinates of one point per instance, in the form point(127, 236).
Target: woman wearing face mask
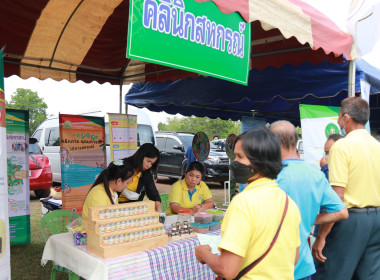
point(144, 162)
point(103, 192)
point(190, 192)
point(255, 215)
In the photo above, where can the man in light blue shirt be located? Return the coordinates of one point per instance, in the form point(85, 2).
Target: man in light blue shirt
point(309, 189)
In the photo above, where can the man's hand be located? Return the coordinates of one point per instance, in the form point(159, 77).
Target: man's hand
point(318, 246)
point(324, 160)
point(200, 251)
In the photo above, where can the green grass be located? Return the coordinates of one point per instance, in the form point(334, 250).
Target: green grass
point(26, 259)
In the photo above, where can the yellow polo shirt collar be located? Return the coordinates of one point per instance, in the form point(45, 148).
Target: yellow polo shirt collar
point(260, 182)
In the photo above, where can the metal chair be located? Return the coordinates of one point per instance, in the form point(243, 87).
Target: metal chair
point(57, 221)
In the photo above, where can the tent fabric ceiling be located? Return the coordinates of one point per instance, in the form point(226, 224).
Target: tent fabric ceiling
point(87, 40)
point(271, 93)
point(294, 17)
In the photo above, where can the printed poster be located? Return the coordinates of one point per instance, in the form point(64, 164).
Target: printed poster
point(17, 126)
point(317, 123)
point(123, 135)
point(5, 259)
point(83, 157)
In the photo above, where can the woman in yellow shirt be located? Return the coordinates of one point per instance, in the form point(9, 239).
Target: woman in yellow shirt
point(190, 192)
point(113, 179)
point(144, 161)
point(254, 216)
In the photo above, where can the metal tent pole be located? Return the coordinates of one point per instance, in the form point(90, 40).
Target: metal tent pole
point(351, 77)
point(121, 98)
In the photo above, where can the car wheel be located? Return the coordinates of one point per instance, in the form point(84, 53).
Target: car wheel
point(42, 193)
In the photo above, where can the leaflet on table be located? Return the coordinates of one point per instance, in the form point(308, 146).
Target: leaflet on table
point(122, 135)
point(83, 157)
point(211, 240)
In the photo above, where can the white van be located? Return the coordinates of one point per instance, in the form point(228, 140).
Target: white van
point(47, 134)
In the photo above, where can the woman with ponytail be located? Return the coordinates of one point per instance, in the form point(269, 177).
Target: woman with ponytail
point(144, 161)
point(115, 178)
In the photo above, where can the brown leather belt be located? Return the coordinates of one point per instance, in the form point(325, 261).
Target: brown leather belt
point(364, 210)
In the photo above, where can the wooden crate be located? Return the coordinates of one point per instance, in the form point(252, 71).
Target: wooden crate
point(95, 239)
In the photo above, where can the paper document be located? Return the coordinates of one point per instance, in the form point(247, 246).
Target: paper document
point(211, 240)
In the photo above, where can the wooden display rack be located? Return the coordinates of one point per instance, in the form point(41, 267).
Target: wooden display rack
point(95, 239)
point(181, 237)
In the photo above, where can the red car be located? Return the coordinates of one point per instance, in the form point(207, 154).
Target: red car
point(40, 175)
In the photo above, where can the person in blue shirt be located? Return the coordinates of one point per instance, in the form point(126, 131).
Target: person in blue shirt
point(324, 160)
point(309, 189)
point(190, 156)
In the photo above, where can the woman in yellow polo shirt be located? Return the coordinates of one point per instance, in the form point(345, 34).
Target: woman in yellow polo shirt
point(254, 216)
point(190, 192)
point(113, 179)
point(144, 161)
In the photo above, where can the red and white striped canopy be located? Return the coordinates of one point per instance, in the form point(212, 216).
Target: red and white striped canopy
point(293, 18)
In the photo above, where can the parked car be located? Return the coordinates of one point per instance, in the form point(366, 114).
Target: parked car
point(172, 147)
point(40, 175)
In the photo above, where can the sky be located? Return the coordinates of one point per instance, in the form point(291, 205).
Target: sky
point(75, 98)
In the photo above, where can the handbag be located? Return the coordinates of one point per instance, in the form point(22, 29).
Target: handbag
point(257, 261)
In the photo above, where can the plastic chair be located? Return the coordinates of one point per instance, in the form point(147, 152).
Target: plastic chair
point(164, 201)
point(57, 221)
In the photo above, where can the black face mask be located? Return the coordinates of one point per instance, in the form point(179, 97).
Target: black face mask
point(241, 172)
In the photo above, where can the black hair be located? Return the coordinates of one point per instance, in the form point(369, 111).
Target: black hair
point(146, 150)
point(113, 172)
point(357, 108)
point(263, 149)
point(195, 165)
point(335, 137)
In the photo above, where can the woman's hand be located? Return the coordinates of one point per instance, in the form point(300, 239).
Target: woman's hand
point(195, 209)
point(200, 250)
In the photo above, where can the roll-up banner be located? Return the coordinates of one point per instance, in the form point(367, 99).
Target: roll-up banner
point(18, 175)
point(5, 261)
point(122, 135)
point(83, 157)
point(317, 123)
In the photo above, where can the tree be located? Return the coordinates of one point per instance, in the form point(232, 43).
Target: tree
point(209, 126)
point(26, 99)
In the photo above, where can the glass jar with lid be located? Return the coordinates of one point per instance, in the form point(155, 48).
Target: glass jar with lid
point(184, 215)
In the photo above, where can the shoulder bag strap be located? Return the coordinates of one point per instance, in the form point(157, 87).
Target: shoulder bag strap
point(256, 262)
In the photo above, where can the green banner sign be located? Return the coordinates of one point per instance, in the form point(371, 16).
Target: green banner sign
point(192, 36)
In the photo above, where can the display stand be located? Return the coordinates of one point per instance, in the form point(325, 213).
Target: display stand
point(122, 229)
point(181, 237)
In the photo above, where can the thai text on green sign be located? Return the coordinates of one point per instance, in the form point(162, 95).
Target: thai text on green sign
point(191, 36)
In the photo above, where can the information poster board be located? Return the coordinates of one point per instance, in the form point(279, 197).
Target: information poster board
point(317, 123)
point(123, 135)
point(17, 125)
point(5, 259)
point(83, 157)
